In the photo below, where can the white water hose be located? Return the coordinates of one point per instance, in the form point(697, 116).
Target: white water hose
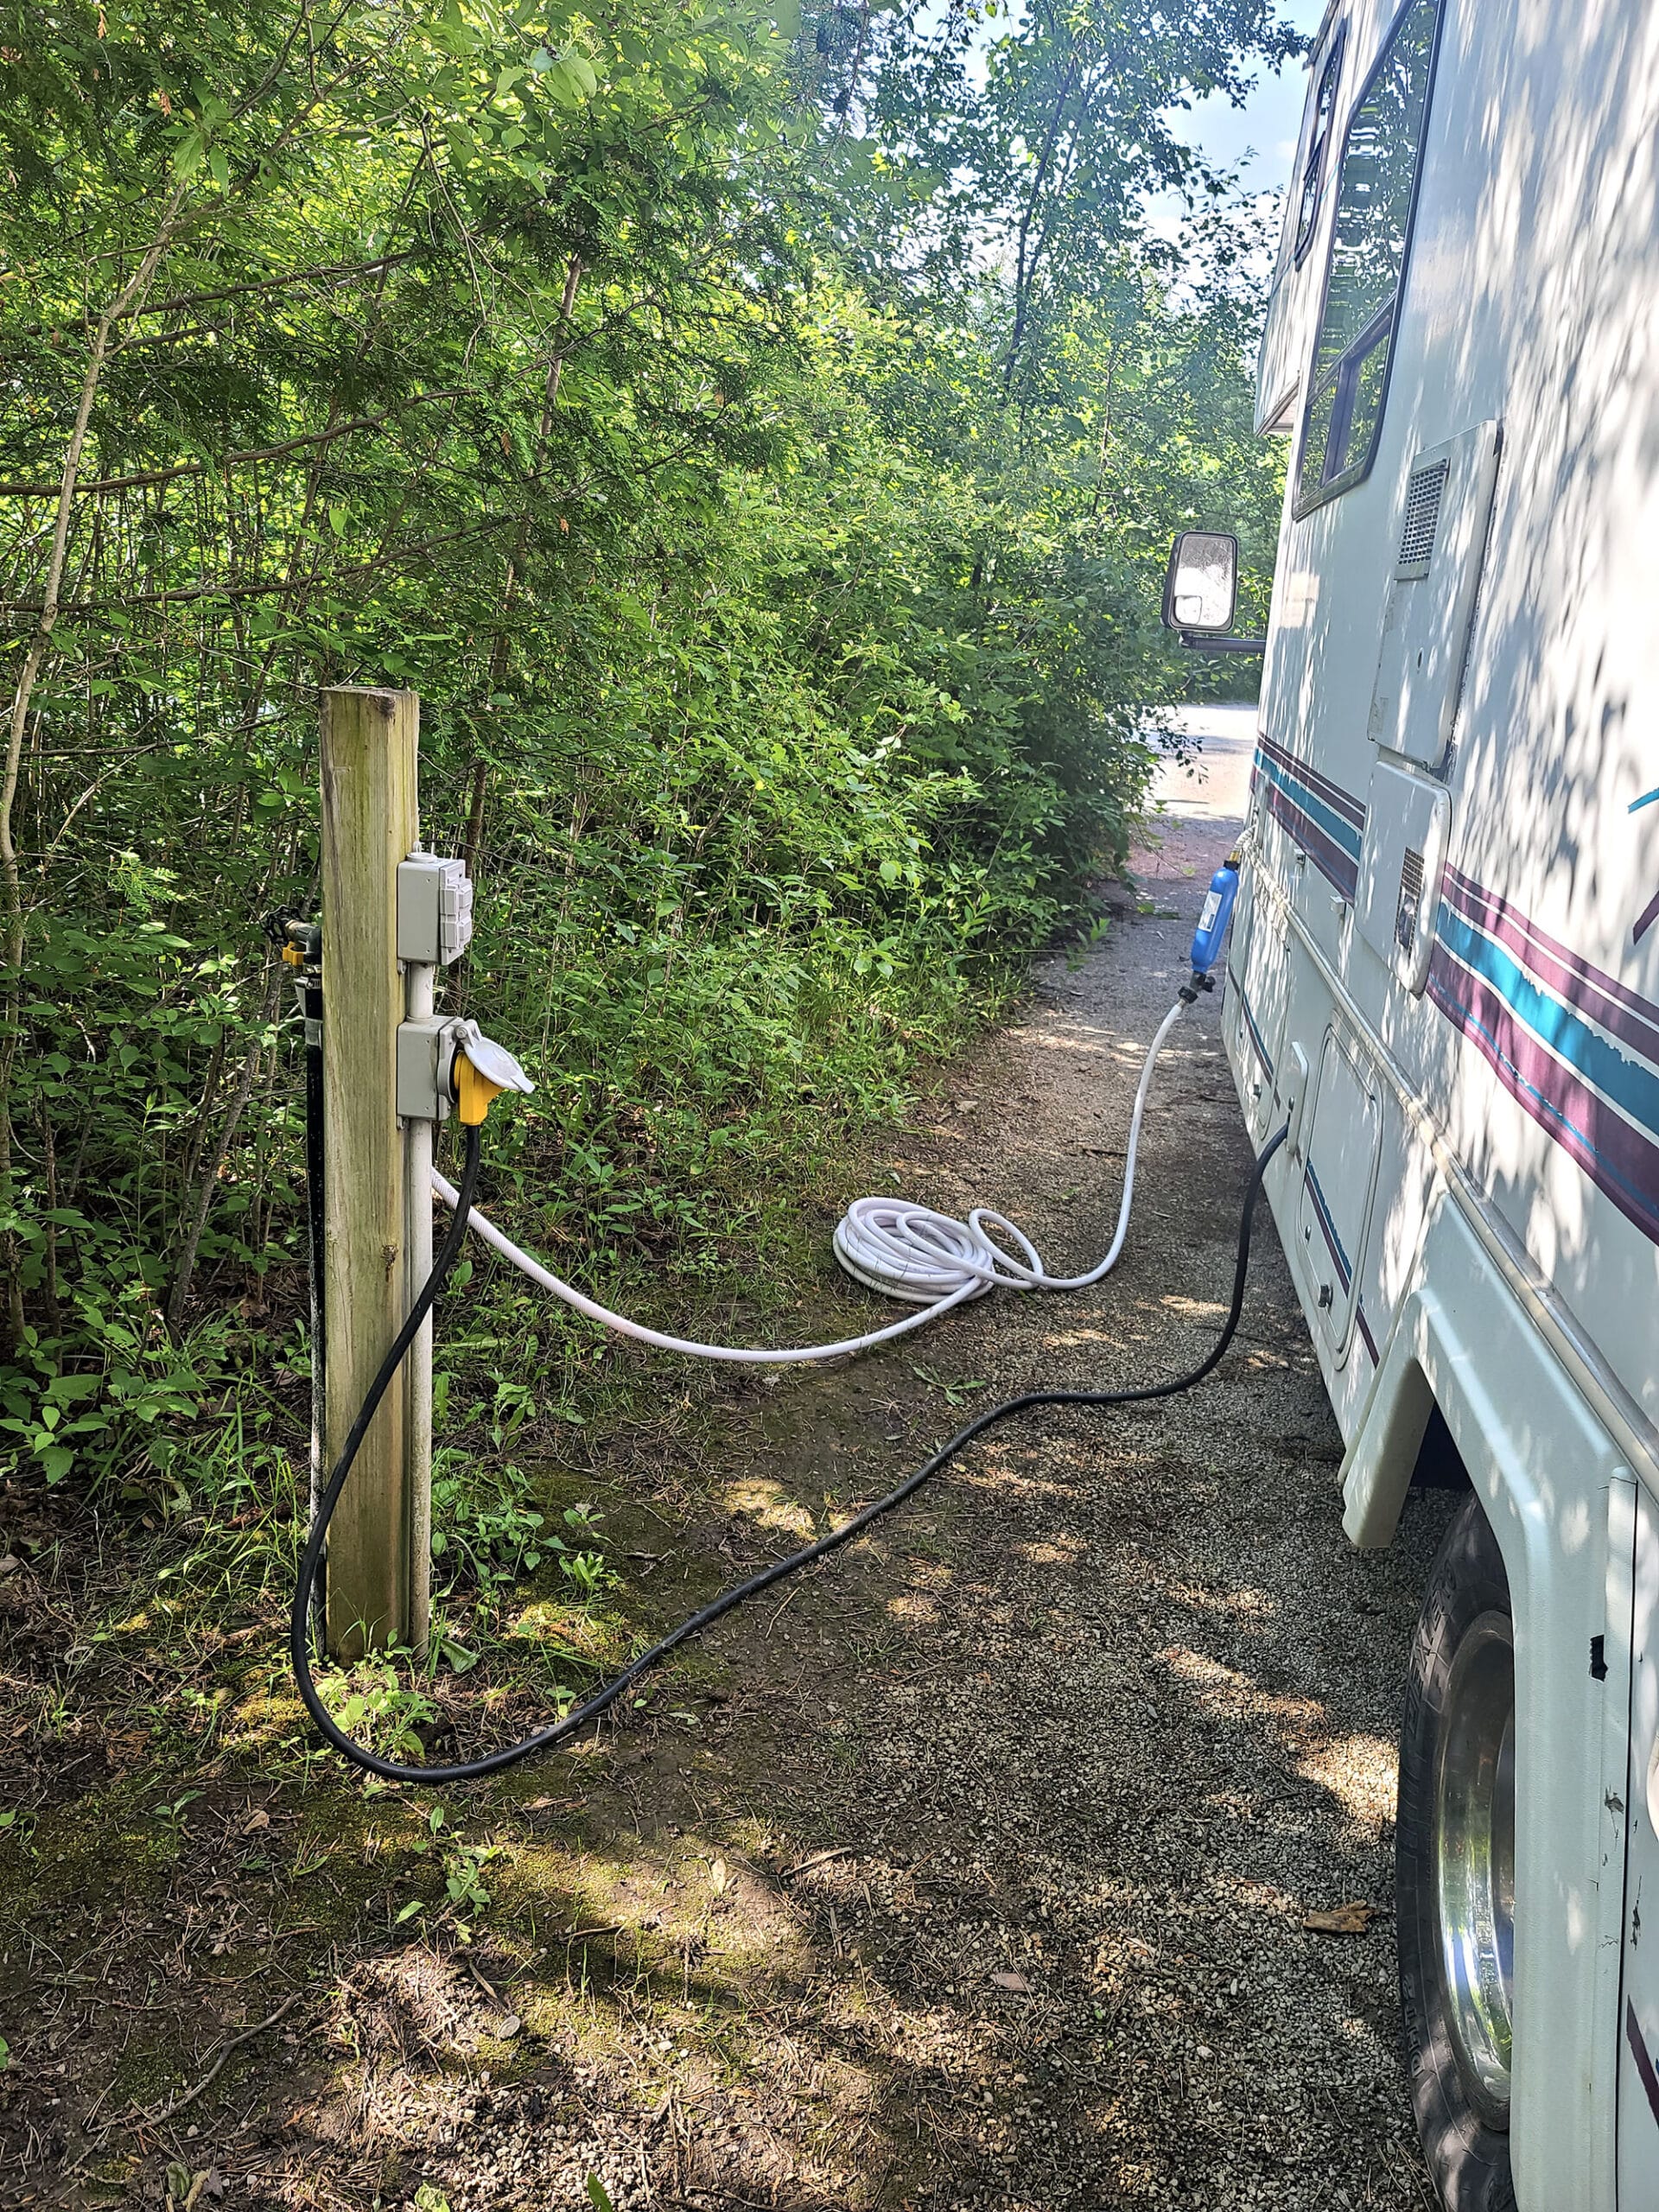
point(931, 1260)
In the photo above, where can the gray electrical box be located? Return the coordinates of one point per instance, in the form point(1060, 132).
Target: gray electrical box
point(435, 909)
point(425, 1057)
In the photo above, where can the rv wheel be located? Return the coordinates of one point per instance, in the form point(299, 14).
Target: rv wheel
point(1454, 1869)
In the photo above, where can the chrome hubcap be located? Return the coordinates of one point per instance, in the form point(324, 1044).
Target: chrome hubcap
point(1474, 1849)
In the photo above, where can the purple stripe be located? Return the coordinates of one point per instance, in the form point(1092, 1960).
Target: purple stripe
point(1256, 1034)
point(1603, 997)
point(1639, 2051)
point(1327, 1227)
point(1365, 1332)
point(1562, 952)
point(1344, 802)
point(1645, 919)
point(1333, 794)
point(1621, 1163)
point(1336, 866)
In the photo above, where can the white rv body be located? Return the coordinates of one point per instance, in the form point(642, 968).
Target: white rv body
point(1444, 971)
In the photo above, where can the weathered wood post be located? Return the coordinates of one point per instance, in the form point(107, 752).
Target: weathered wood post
point(370, 823)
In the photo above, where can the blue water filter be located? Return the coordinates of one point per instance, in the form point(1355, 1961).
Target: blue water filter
point(1217, 912)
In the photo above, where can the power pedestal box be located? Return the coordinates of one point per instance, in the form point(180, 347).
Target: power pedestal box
point(435, 909)
point(426, 1057)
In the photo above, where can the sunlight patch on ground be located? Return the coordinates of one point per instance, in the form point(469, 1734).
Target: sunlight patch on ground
point(768, 1506)
point(1225, 1691)
point(1074, 1339)
point(1241, 1603)
point(1194, 1309)
point(1057, 1551)
point(913, 1606)
point(1360, 1772)
point(1051, 1043)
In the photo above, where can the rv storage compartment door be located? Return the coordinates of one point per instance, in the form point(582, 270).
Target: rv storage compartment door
point(1338, 1174)
point(1638, 2056)
point(1445, 512)
point(1407, 821)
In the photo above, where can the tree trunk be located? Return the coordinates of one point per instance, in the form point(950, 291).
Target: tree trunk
point(189, 1243)
point(11, 893)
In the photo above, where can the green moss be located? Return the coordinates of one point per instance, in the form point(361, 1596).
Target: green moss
point(85, 1853)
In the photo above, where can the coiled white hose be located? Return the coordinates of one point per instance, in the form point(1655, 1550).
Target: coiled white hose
point(929, 1260)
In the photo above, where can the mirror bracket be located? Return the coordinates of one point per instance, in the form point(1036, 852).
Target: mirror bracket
point(1201, 641)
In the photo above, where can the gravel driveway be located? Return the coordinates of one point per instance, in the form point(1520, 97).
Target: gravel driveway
point(1141, 1723)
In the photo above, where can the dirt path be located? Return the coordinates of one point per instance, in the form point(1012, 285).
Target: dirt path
point(1006, 1830)
point(1135, 1718)
point(971, 1872)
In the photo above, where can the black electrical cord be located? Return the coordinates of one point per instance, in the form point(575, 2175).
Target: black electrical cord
point(729, 1600)
point(310, 993)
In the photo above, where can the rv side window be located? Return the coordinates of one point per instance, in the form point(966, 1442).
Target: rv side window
point(1319, 145)
point(1376, 194)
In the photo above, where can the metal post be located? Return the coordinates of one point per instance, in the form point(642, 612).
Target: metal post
point(419, 995)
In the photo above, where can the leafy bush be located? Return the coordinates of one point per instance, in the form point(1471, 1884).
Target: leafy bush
point(778, 577)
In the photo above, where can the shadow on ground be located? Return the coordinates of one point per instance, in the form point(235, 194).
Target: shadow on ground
point(972, 1869)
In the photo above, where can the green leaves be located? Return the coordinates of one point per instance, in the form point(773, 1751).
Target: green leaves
point(370, 1701)
point(571, 80)
point(781, 654)
point(465, 1894)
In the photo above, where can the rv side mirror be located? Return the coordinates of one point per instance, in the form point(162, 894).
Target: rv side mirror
point(1201, 588)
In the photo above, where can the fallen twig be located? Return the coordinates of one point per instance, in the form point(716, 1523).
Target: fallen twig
point(189, 2097)
point(819, 1859)
point(485, 1983)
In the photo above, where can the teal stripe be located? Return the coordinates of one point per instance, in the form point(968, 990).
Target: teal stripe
point(1340, 832)
point(1631, 1084)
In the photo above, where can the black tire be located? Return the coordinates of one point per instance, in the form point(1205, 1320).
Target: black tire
point(1465, 2139)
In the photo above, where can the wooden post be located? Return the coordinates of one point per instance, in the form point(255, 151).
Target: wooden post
point(370, 823)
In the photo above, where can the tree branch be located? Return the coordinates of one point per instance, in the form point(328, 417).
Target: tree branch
point(22, 698)
point(230, 459)
point(183, 300)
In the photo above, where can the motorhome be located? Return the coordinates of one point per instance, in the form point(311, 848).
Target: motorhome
point(1444, 977)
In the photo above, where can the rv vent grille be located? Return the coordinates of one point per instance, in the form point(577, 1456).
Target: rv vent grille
point(1411, 901)
point(1423, 497)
